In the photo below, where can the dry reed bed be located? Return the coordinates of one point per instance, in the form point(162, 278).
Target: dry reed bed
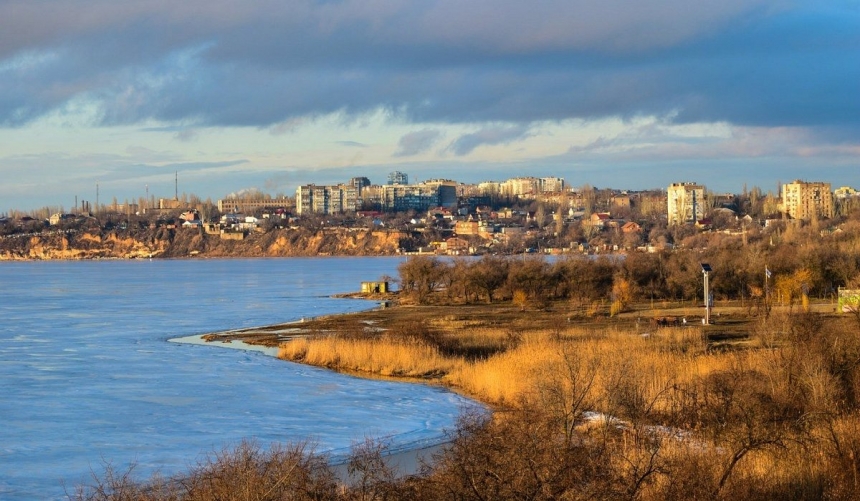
point(602, 360)
point(382, 356)
point(663, 377)
point(508, 378)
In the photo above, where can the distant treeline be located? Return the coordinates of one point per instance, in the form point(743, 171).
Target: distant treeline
point(800, 262)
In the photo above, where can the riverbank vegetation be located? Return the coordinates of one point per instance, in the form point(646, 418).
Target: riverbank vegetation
point(599, 411)
point(604, 382)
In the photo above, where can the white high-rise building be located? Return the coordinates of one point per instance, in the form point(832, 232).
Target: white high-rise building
point(686, 202)
point(314, 199)
point(551, 184)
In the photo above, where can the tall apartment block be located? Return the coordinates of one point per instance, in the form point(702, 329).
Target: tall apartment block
point(805, 201)
point(551, 184)
point(313, 199)
point(686, 202)
point(398, 178)
point(421, 196)
point(519, 186)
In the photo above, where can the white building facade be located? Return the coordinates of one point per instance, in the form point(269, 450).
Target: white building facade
point(686, 202)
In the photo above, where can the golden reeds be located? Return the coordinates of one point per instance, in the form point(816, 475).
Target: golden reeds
point(654, 361)
point(385, 356)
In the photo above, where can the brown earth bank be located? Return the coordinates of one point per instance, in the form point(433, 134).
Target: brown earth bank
point(182, 243)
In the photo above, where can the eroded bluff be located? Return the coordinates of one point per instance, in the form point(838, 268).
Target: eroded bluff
point(181, 242)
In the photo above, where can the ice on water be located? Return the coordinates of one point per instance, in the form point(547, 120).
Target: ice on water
point(88, 376)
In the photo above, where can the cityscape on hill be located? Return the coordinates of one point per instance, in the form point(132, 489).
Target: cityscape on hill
point(442, 216)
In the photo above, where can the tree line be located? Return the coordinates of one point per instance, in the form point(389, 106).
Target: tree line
point(800, 263)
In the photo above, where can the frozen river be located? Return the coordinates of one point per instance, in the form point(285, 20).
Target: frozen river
point(88, 376)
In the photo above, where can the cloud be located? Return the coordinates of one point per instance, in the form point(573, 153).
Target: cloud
point(466, 143)
point(417, 142)
point(186, 135)
point(288, 126)
point(657, 141)
point(351, 144)
point(271, 64)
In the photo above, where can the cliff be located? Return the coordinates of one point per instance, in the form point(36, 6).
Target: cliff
point(179, 243)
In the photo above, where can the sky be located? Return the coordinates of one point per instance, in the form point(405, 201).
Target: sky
point(231, 97)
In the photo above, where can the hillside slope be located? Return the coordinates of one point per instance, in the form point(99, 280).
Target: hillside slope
point(179, 243)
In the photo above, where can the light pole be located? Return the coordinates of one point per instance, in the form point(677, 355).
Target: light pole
point(706, 268)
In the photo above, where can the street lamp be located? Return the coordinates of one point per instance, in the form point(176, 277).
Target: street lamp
point(706, 268)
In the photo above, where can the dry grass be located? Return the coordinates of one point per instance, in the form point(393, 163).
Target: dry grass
point(506, 378)
point(757, 418)
point(522, 359)
point(385, 356)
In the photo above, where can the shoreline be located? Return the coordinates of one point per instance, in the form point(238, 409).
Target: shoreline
point(284, 331)
point(267, 338)
point(406, 459)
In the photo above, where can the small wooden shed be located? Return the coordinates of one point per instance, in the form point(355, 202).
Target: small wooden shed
point(374, 287)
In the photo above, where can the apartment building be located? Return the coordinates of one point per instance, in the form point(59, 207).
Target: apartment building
point(252, 204)
point(398, 178)
point(489, 188)
point(845, 192)
point(313, 199)
point(319, 199)
point(446, 190)
point(686, 202)
point(519, 186)
point(529, 186)
point(421, 196)
point(551, 184)
point(807, 200)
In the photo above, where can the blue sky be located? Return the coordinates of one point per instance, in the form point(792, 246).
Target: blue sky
point(270, 94)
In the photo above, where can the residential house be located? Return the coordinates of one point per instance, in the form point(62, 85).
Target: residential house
point(598, 220)
point(631, 227)
point(456, 246)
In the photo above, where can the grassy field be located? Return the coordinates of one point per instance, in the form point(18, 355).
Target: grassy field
point(501, 354)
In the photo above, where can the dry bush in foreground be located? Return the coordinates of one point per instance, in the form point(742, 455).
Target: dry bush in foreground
point(249, 473)
point(245, 472)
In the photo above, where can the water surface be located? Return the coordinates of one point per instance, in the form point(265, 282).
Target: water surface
point(88, 376)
